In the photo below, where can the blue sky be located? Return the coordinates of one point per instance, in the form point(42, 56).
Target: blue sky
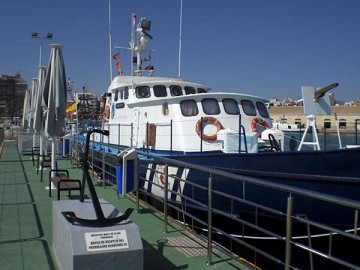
point(261, 47)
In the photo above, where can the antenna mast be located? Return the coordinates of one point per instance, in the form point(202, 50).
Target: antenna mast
point(111, 75)
point(133, 23)
point(181, 3)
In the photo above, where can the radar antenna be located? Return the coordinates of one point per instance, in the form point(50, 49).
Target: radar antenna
point(315, 103)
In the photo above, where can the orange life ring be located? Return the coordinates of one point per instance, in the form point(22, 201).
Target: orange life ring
point(210, 120)
point(258, 122)
point(106, 114)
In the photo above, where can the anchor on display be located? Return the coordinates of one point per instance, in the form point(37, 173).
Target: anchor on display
point(101, 220)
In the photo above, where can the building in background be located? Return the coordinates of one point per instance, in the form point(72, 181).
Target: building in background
point(12, 93)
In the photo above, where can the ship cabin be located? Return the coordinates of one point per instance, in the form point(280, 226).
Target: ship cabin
point(171, 114)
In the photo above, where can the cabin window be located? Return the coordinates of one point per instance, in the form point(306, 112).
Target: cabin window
point(120, 105)
point(298, 122)
point(160, 90)
point(126, 93)
point(248, 107)
point(175, 90)
point(231, 106)
point(201, 90)
point(109, 95)
point(342, 123)
point(210, 106)
point(189, 90)
point(165, 109)
point(262, 109)
point(189, 108)
point(116, 96)
point(142, 91)
point(327, 123)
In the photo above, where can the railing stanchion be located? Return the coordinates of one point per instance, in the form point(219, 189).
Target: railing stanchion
point(288, 233)
point(166, 191)
point(137, 186)
point(201, 134)
point(171, 135)
point(131, 135)
point(209, 243)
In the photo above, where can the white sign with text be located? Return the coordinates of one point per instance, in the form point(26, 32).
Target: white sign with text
point(110, 240)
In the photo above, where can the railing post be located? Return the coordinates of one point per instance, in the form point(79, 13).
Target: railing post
point(92, 158)
point(132, 134)
point(137, 187)
point(201, 133)
point(325, 138)
point(166, 191)
point(171, 135)
point(147, 137)
point(239, 133)
point(108, 137)
point(103, 165)
point(356, 130)
point(76, 156)
point(356, 221)
point(118, 134)
point(209, 243)
point(288, 232)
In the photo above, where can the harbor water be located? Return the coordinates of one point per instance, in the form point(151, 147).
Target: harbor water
point(327, 141)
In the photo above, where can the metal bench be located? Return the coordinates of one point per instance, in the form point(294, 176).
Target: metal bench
point(44, 161)
point(62, 182)
point(35, 152)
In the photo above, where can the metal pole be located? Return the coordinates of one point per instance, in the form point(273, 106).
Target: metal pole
point(239, 133)
point(40, 52)
point(137, 188)
point(288, 233)
point(119, 134)
point(325, 138)
point(201, 134)
point(133, 23)
point(111, 75)
point(166, 198)
point(356, 130)
point(171, 136)
point(209, 243)
point(147, 137)
point(131, 136)
point(181, 4)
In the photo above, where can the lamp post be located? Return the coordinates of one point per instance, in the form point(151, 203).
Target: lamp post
point(36, 35)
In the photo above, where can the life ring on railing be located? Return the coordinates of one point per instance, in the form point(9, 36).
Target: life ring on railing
point(106, 114)
point(211, 120)
point(258, 122)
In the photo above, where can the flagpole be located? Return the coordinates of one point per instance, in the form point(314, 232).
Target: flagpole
point(111, 75)
point(181, 3)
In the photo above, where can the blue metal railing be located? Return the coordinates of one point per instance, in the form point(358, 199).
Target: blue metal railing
point(183, 205)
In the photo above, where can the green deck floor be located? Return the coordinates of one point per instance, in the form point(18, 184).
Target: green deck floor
point(26, 223)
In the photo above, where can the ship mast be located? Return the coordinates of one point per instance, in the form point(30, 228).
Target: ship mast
point(142, 42)
point(138, 43)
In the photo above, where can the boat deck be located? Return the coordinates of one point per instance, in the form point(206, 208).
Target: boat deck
point(26, 223)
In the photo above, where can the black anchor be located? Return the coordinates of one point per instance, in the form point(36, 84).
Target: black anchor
point(101, 220)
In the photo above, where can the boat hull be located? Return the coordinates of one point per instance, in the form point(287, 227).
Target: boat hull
point(329, 172)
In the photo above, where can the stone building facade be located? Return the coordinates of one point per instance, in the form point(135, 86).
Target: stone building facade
point(12, 93)
point(346, 116)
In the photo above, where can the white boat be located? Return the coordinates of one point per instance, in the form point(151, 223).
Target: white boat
point(229, 131)
point(172, 114)
point(283, 125)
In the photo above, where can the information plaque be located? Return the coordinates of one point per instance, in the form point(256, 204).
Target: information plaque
point(108, 240)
